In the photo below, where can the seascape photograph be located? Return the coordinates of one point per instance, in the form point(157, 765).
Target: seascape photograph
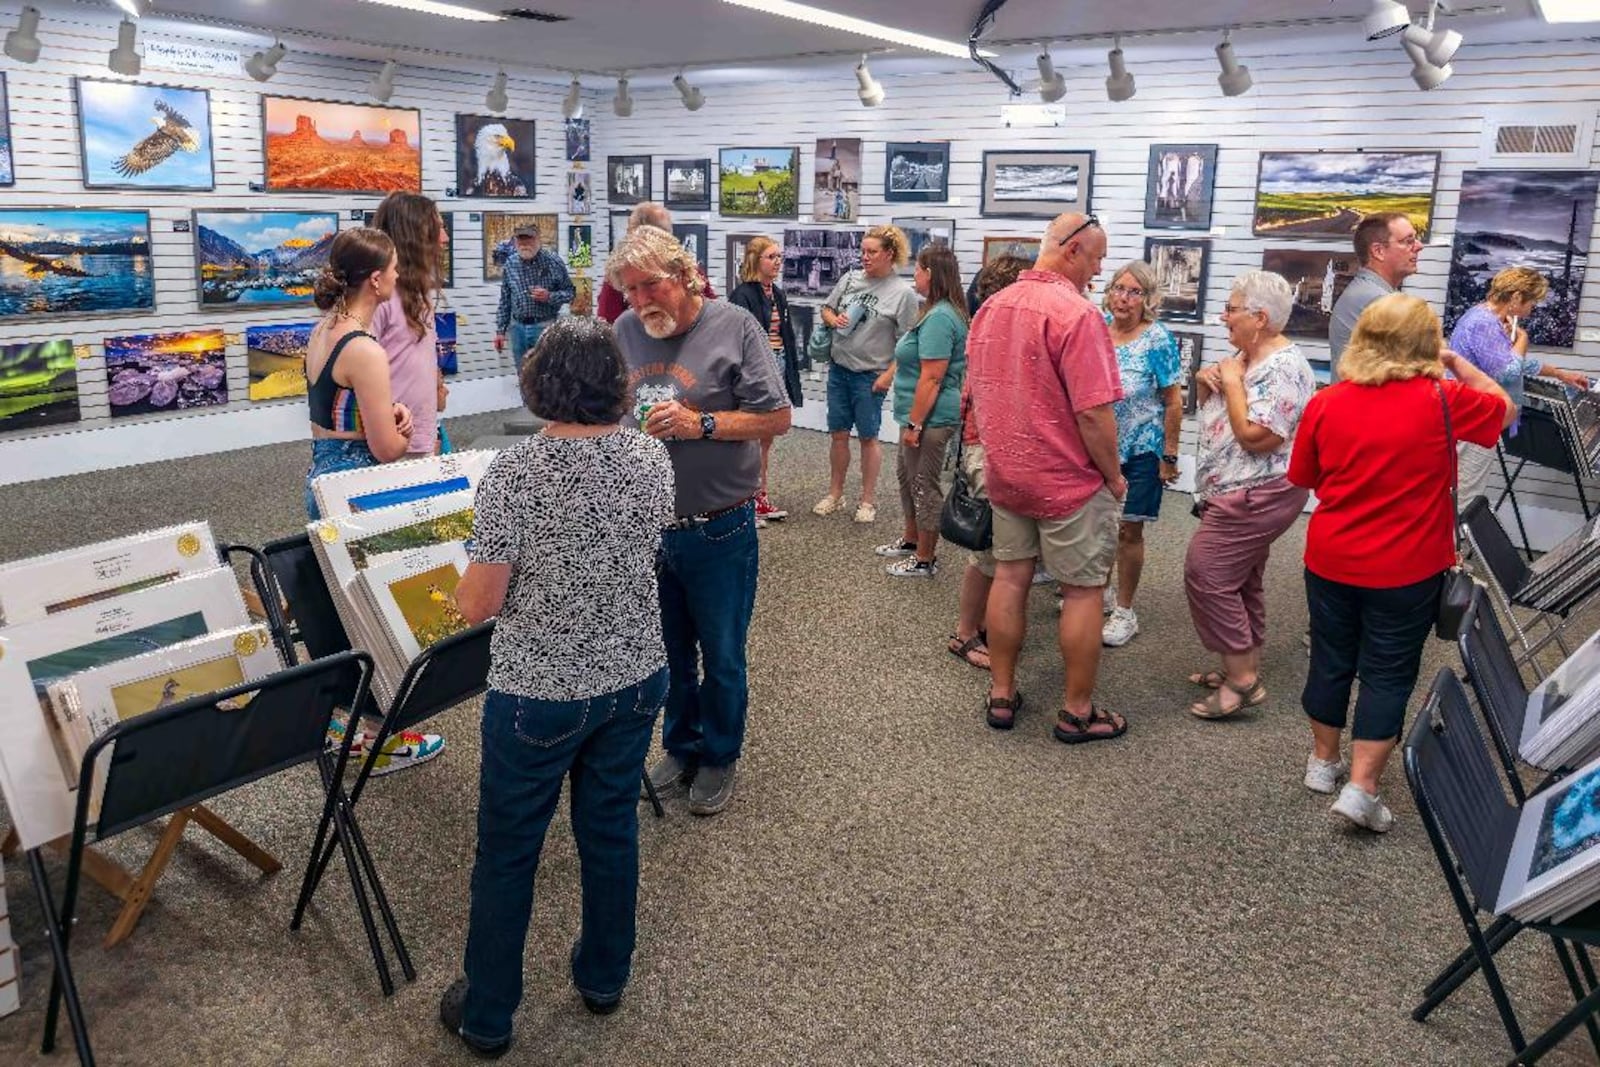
point(65, 262)
point(159, 373)
point(261, 257)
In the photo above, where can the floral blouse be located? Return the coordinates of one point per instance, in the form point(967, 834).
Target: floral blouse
point(1277, 391)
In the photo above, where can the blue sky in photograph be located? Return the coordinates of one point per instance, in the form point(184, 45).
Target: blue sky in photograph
point(256, 230)
point(82, 227)
point(118, 115)
point(1348, 172)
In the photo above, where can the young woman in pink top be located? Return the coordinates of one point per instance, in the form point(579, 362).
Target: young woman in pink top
point(404, 323)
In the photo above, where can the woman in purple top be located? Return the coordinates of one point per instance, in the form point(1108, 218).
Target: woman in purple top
point(404, 323)
point(1490, 337)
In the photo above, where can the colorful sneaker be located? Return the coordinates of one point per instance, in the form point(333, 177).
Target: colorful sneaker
point(866, 512)
point(1120, 628)
point(335, 737)
point(405, 749)
point(896, 549)
point(766, 509)
point(828, 505)
point(912, 567)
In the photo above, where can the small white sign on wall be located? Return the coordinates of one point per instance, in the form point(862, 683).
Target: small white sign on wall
point(1016, 115)
point(191, 59)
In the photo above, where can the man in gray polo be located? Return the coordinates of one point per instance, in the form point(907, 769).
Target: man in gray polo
point(1386, 251)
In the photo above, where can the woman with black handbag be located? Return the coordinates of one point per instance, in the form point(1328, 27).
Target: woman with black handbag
point(1379, 451)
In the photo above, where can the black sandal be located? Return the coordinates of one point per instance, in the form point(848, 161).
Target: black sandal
point(1012, 704)
point(1081, 726)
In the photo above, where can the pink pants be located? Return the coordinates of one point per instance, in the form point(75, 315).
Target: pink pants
point(1223, 570)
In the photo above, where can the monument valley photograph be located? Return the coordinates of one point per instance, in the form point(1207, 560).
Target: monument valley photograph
point(322, 147)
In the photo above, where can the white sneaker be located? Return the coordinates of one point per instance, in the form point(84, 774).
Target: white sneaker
point(1042, 576)
point(1322, 775)
point(1108, 601)
point(896, 549)
point(866, 512)
point(1361, 808)
point(912, 567)
point(828, 505)
point(1119, 628)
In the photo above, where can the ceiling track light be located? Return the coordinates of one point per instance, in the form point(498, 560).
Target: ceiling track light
point(867, 88)
point(135, 8)
point(1438, 46)
point(125, 58)
point(1235, 79)
point(495, 99)
point(693, 99)
point(572, 103)
point(622, 103)
point(1385, 18)
point(22, 43)
point(1052, 86)
point(263, 65)
point(1119, 84)
point(1426, 74)
point(382, 87)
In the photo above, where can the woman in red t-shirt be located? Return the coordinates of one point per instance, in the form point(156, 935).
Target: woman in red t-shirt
point(1374, 449)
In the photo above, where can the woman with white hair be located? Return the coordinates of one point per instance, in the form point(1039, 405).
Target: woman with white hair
point(1250, 405)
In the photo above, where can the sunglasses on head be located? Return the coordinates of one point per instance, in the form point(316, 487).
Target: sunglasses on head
point(1090, 221)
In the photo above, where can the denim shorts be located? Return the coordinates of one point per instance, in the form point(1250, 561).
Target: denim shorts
point(1143, 474)
point(334, 454)
point(852, 403)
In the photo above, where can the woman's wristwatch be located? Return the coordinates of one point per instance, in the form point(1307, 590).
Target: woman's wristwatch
point(915, 426)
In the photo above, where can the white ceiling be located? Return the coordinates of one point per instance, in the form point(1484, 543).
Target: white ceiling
point(720, 42)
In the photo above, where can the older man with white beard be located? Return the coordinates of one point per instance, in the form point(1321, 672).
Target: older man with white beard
point(702, 378)
point(533, 287)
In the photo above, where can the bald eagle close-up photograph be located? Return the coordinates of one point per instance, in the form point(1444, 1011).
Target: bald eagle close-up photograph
point(494, 156)
point(144, 136)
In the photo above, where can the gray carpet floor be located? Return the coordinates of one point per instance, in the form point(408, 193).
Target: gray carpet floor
point(894, 883)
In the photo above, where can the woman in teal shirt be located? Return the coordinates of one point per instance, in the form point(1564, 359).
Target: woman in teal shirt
point(930, 363)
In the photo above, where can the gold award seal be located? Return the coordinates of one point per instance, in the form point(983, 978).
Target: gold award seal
point(328, 532)
point(246, 644)
point(188, 545)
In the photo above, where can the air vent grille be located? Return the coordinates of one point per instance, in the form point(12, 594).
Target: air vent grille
point(533, 16)
point(1537, 140)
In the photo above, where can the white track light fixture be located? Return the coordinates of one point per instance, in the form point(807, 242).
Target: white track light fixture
point(693, 99)
point(868, 89)
point(1119, 84)
point(1234, 79)
point(1427, 75)
point(22, 43)
point(135, 8)
point(1385, 18)
point(263, 65)
point(495, 99)
point(125, 58)
point(622, 103)
point(1438, 46)
point(572, 104)
point(1052, 86)
point(382, 87)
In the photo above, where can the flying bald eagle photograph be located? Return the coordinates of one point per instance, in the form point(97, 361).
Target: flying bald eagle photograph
point(494, 156)
point(144, 136)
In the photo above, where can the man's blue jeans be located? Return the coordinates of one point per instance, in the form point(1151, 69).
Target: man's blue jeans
point(522, 336)
point(529, 746)
point(708, 593)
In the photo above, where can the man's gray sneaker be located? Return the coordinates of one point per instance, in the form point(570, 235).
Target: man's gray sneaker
point(712, 789)
point(670, 775)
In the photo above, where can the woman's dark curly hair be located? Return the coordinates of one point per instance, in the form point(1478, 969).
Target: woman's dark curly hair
point(576, 374)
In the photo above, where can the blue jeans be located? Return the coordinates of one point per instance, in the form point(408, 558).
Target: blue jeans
point(528, 747)
point(522, 336)
point(852, 403)
point(708, 593)
point(334, 454)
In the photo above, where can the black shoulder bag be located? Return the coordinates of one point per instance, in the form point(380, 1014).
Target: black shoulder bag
point(1455, 595)
point(966, 518)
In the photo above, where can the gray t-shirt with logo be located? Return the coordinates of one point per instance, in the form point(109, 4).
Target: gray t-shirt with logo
point(721, 363)
point(880, 310)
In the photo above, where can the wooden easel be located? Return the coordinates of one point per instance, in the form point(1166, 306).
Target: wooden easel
point(135, 891)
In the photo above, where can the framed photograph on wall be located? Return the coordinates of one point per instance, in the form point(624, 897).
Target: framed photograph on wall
point(628, 179)
point(276, 358)
point(1179, 184)
point(695, 237)
point(759, 182)
point(499, 244)
point(577, 140)
point(1318, 279)
point(816, 257)
point(1323, 195)
point(580, 245)
point(688, 184)
point(323, 146)
point(1036, 185)
point(916, 172)
point(61, 261)
point(158, 373)
point(1022, 247)
point(734, 245)
point(836, 191)
point(1181, 265)
point(921, 232)
point(136, 136)
point(578, 192)
point(38, 384)
point(8, 174)
point(1190, 346)
point(495, 156)
point(260, 257)
point(616, 228)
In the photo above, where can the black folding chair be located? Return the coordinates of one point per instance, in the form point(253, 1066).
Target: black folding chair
point(1470, 822)
point(1507, 574)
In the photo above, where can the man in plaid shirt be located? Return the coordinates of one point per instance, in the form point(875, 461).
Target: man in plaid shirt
point(533, 287)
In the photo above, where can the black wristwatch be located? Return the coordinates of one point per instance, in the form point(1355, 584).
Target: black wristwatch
point(1171, 461)
point(708, 425)
point(914, 426)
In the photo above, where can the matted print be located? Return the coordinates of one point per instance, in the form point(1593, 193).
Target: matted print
point(616, 228)
point(1036, 185)
point(1321, 195)
point(582, 296)
point(137, 136)
point(150, 373)
point(1179, 185)
point(628, 179)
point(580, 245)
point(579, 192)
point(836, 193)
point(815, 258)
point(1524, 218)
point(577, 140)
point(922, 232)
point(276, 356)
point(321, 146)
point(37, 586)
point(1022, 247)
point(260, 257)
point(38, 384)
point(916, 172)
point(688, 184)
point(1180, 266)
point(1568, 828)
point(8, 174)
point(1318, 280)
point(499, 245)
point(1190, 347)
point(66, 262)
point(495, 156)
point(695, 238)
point(759, 182)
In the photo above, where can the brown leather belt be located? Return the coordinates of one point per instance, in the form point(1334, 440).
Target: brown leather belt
point(689, 522)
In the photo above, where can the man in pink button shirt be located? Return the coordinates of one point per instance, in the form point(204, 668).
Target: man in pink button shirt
point(1044, 375)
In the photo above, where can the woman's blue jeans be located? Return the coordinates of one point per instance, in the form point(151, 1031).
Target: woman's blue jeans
point(529, 746)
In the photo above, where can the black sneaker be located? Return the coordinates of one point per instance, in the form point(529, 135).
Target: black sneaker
point(451, 1007)
point(712, 789)
point(670, 775)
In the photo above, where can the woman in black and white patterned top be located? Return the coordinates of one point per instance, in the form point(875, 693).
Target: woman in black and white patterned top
point(564, 545)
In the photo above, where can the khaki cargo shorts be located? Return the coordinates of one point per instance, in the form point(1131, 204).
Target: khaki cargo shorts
point(1077, 550)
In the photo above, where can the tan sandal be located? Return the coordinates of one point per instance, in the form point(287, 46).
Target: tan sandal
point(1249, 697)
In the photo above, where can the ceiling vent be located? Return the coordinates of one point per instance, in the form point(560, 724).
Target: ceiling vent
point(533, 16)
point(1539, 137)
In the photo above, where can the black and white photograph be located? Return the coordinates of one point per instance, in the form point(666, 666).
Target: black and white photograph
point(916, 172)
point(688, 184)
point(1036, 185)
point(1318, 279)
point(616, 228)
point(814, 258)
point(694, 236)
point(577, 140)
point(628, 179)
point(921, 232)
point(1179, 185)
point(733, 246)
point(1191, 345)
point(1180, 265)
point(836, 190)
point(579, 192)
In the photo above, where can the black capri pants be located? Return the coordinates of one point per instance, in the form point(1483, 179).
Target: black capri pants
point(1375, 635)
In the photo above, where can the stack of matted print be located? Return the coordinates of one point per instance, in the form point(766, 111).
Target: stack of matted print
point(1554, 867)
point(1561, 725)
point(392, 547)
point(95, 635)
point(1566, 574)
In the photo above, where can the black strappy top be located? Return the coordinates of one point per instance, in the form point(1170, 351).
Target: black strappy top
point(333, 406)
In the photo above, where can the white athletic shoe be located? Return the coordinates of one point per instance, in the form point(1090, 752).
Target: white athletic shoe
point(1120, 628)
point(1108, 601)
point(1360, 808)
point(1322, 776)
